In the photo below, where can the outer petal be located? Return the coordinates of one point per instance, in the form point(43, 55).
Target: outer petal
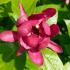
point(44, 42)
point(20, 51)
point(34, 22)
point(23, 16)
point(8, 36)
point(55, 47)
point(44, 28)
point(22, 12)
point(54, 30)
point(49, 12)
point(36, 16)
point(25, 28)
point(20, 21)
point(36, 57)
point(23, 44)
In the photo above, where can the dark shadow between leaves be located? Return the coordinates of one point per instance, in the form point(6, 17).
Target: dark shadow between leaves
point(42, 2)
point(64, 41)
point(6, 21)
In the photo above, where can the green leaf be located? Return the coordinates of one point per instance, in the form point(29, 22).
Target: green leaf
point(15, 8)
point(67, 22)
point(14, 28)
point(3, 1)
point(51, 61)
point(8, 58)
point(10, 5)
point(29, 6)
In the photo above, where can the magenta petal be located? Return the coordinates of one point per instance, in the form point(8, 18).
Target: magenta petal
point(49, 12)
point(36, 17)
point(34, 22)
point(22, 12)
point(20, 21)
point(54, 30)
point(44, 42)
point(36, 57)
point(23, 17)
point(20, 51)
point(25, 28)
point(55, 47)
point(44, 29)
point(23, 44)
point(8, 36)
point(32, 40)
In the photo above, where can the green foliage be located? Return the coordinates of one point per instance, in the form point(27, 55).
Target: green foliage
point(3, 1)
point(12, 6)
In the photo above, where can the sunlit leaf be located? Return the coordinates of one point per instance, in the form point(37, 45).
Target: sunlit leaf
point(29, 6)
point(3, 1)
point(51, 61)
point(10, 5)
point(53, 20)
point(67, 66)
point(67, 22)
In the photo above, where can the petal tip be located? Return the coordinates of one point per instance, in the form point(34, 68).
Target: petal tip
point(36, 57)
point(49, 12)
point(22, 11)
point(55, 47)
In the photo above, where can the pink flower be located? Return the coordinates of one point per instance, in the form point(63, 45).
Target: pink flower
point(33, 34)
point(67, 1)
